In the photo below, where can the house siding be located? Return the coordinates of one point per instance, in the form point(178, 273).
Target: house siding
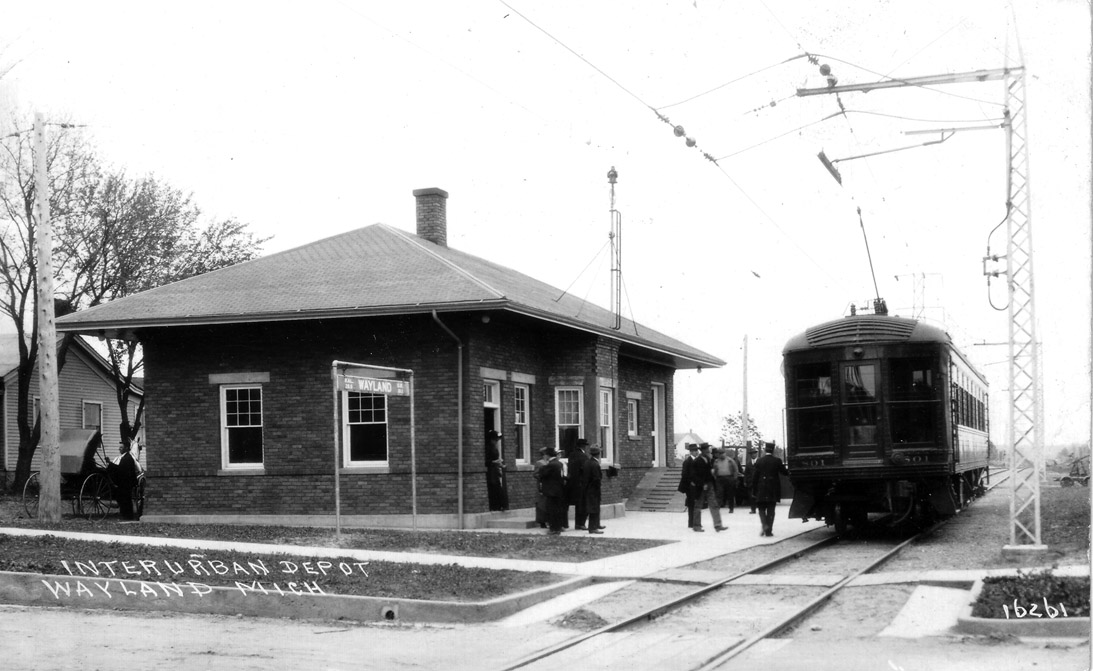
point(298, 414)
point(79, 380)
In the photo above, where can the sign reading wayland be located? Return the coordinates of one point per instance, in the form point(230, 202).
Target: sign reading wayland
point(373, 385)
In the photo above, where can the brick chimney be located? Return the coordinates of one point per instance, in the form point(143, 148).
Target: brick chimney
point(432, 215)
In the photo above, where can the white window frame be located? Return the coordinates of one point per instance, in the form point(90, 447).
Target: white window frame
point(632, 417)
point(224, 428)
point(83, 419)
point(521, 396)
point(605, 415)
point(559, 392)
point(347, 452)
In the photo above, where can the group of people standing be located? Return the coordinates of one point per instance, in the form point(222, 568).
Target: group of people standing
point(577, 483)
point(709, 479)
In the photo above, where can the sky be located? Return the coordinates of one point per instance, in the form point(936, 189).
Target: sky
point(308, 120)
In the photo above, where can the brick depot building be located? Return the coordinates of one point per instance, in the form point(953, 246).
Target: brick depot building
point(244, 413)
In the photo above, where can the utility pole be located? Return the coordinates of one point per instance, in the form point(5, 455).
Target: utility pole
point(1025, 397)
point(744, 424)
point(49, 505)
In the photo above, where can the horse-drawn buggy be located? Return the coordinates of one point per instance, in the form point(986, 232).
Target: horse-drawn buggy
point(89, 479)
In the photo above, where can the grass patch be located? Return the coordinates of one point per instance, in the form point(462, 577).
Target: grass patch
point(533, 545)
point(449, 582)
point(1032, 592)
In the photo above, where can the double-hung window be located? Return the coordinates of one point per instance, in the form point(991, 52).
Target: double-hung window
point(607, 425)
point(92, 415)
point(567, 414)
point(365, 429)
point(522, 415)
point(632, 417)
point(241, 425)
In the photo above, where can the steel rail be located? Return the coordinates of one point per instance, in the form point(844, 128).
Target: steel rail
point(739, 647)
point(653, 612)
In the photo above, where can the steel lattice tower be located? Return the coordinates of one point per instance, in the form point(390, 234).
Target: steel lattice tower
point(1025, 394)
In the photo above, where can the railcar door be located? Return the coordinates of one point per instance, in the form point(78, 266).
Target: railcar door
point(861, 410)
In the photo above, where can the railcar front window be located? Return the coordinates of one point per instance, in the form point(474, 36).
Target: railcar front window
point(860, 402)
point(815, 423)
point(912, 395)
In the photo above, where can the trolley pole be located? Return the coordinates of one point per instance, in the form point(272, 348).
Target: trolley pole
point(49, 507)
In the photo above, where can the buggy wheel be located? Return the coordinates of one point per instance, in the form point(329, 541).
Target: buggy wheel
point(31, 493)
point(138, 496)
point(96, 498)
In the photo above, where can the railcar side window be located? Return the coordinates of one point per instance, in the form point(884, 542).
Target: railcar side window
point(912, 395)
point(860, 403)
point(815, 423)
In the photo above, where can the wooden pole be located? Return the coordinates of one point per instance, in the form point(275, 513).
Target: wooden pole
point(49, 505)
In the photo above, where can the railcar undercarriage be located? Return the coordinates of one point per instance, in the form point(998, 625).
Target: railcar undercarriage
point(905, 502)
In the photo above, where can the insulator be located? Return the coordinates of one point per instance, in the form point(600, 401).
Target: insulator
point(691, 142)
point(825, 69)
point(678, 130)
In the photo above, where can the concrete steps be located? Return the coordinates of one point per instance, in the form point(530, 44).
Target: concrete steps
point(656, 492)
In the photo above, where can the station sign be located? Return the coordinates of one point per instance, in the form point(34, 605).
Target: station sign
point(373, 385)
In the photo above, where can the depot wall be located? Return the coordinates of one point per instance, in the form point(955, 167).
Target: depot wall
point(185, 367)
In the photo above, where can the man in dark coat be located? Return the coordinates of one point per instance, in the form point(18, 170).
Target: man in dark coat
point(685, 483)
point(767, 487)
point(704, 485)
point(552, 481)
point(593, 477)
point(540, 500)
point(123, 471)
point(496, 491)
point(575, 484)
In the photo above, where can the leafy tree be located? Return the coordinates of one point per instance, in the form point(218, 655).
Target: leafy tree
point(137, 235)
point(732, 430)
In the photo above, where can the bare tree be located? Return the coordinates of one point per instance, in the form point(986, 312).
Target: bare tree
point(71, 164)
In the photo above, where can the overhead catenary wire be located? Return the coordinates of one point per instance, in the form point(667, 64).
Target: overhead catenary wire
point(733, 81)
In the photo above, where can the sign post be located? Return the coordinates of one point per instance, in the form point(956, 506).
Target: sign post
point(367, 379)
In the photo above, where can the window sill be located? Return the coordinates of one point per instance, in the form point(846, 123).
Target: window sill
point(240, 471)
point(524, 467)
point(632, 437)
point(365, 470)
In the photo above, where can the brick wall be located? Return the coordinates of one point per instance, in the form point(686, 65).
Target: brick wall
point(293, 360)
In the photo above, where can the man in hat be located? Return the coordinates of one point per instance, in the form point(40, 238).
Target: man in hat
point(685, 483)
point(726, 471)
point(540, 500)
point(705, 488)
point(495, 473)
point(575, 484)
point(767, 487)
point(593, 477)
point(552, 481)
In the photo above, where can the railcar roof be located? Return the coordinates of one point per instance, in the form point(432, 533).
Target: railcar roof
point(859, 329)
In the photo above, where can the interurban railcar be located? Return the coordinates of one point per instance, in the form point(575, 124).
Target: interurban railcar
point(883, 414)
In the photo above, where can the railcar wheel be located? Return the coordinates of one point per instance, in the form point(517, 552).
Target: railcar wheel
point(96, 497)
point(31, 496)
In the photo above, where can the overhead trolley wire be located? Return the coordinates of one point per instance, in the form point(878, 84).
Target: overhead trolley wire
point(741, 78)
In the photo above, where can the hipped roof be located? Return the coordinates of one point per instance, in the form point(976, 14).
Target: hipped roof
point(375, 270)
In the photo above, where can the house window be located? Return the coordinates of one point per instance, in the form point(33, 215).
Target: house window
point(241, 425)
point(491, 394)
point(365, 429)
point(567, 413)
point(522, 396)
point(632, 417)
point(607, 425)
point(92, 415)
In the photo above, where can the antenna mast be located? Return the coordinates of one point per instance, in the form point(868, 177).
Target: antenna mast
point(615, 236)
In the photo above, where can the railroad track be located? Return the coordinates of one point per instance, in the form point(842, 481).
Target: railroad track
point(592, 642)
